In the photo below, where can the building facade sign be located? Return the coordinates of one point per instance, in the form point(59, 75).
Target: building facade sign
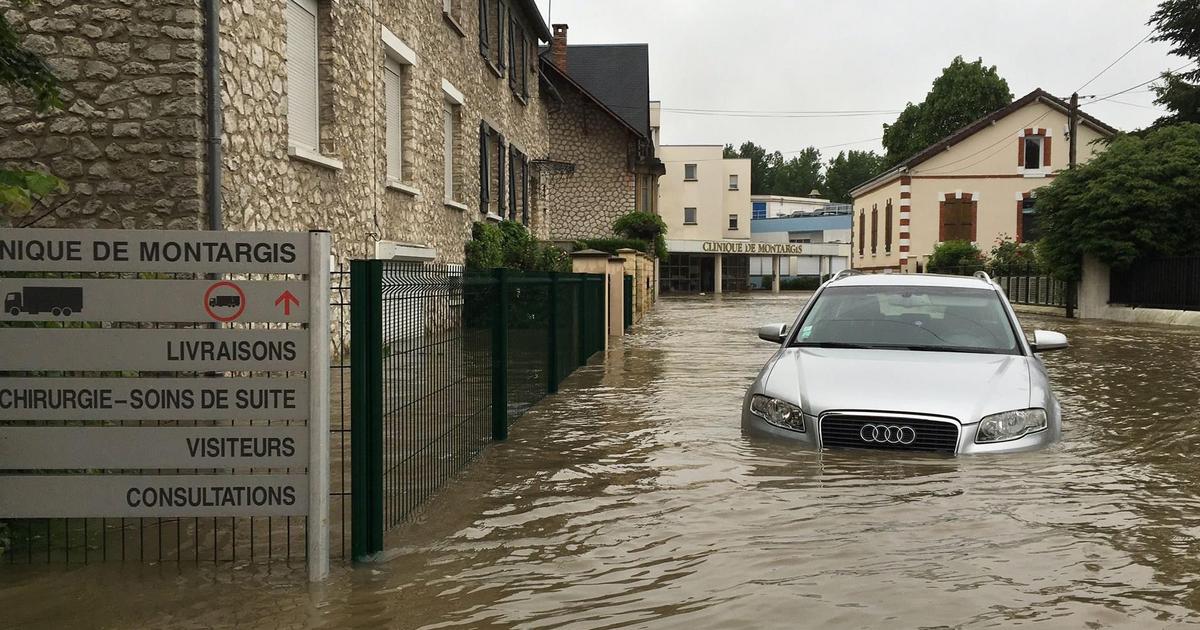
point(214, 412)
point(754, 248)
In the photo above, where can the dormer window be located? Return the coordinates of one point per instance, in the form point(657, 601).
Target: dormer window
point(1033, 151)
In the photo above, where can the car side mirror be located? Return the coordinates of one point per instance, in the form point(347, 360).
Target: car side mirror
point(774, 333)
point(1047, 340)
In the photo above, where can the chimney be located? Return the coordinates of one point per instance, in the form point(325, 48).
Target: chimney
point(558, 47)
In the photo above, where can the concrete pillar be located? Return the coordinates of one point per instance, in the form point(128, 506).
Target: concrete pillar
point(616, 296)
point(775, 274)
point(1092, 290)
point(631, 269)
point(717, 274)
point(594, 261)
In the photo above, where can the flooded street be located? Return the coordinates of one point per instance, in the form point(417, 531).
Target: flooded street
point(633, 499)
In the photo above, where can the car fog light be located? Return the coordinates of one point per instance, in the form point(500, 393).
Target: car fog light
point(1010, 425)
point(779, 413)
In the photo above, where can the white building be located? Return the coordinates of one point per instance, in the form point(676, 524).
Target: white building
point(772, 206)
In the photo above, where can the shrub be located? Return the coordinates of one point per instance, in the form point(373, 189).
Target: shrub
point(1008, 256)
point(961, 257)
point(611, 245)
point(509, 244)
point(644, 226)
point(802, 283)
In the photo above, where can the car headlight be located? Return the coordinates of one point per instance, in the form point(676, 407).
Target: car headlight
point(779, 413)
point(1010, 425)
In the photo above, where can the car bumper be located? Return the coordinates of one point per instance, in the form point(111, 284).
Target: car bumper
point(810, 437)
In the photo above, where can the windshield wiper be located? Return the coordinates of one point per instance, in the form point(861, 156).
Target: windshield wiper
point(840, 344)
point(949, 349)
point(888, 346)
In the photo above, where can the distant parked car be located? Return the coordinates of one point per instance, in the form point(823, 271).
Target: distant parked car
point(909, 363)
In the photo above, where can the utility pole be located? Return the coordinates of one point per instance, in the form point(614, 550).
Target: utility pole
point(1073, 125)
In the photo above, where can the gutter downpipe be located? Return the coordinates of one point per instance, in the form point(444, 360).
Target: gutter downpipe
point(212, 82)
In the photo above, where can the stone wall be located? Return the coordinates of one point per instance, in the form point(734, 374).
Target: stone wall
point(131, 142)
point(585, 204)
point(128, 145)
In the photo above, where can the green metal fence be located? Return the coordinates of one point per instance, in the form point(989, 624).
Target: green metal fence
point(442, 362)
point(628, 301)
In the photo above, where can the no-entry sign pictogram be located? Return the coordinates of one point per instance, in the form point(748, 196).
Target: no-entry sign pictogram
point(224, 301)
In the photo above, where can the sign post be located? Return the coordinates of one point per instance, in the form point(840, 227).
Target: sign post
point(204, 412)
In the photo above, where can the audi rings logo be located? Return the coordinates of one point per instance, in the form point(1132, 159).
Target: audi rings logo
point(887, 434)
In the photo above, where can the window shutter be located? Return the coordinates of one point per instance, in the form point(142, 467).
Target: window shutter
point(484, 168)
point(887, 227)
point(303, 106)
point(524, 189)
point(391, 89)
point(862, 231)
point(524, 64)
point(483, 27)
point(500, 196)
point(512, 182)
point(512, 52)
point(874, 229)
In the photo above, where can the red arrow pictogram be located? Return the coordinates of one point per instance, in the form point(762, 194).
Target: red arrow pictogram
point(288, 299)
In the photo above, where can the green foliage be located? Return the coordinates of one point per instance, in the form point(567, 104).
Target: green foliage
point(22, 68)
point(1178, 22)
point(955, 257)
point(611, 245)
point(509, 244)
point(963, 93)
point(643, 226)
point(1008, 256)
point(1136, 198)
point(770, 174)
point(20, 190)
point(849, 169)
point(801, 283)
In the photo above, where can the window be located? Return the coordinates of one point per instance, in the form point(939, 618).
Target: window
point(485, 169)
point(689, 216)
point(518, 54)
point(493, 159)
point(733, 221)
point(733, 182)
point(689, 172)
point(392, 127)
point(492, 33)
point(485, 38)
point(874, 229)
point(518, 185)
point(759, 211)
point(957, 220)
point(304, 127)
point(887, 228)
point(1033, 152)
point(450, 118)
point(451, 134)
point(452, 12)
point(1028, 228)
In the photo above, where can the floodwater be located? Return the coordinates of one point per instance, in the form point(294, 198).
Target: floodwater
point(632, 499)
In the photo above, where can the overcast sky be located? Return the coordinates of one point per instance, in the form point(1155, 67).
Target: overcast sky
point(792, 55)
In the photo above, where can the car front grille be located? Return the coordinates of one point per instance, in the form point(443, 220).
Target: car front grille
point(889, 433)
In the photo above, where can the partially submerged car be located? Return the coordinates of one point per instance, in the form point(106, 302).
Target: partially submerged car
point(919, 362)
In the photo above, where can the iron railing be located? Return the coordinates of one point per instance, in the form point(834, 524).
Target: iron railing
point(442, 362)
point(1023, 284)
point(1171, 283)
point(628, 310)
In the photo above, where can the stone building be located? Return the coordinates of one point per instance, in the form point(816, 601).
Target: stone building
point(600, 133)
point(395, 124)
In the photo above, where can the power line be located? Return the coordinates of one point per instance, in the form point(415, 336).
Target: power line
point(1130, 89)
point(776, 116)
point(779, 111)
point(1002, 140)
point(832, 146)
point(1106, 68)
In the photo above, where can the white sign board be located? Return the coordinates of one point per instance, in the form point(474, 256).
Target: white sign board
point(204, 301)
point(110, 399)
point(266, 423)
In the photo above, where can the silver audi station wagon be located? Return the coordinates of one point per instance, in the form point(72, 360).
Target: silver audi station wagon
point(923, 363)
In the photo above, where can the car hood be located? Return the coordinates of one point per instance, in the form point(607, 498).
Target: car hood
point(965, 386)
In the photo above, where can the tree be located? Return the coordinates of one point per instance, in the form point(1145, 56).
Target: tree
point(23, 69)
point(956, 257)
point(762, 166)
point(964, 92)
point(849, 169)
point(799, 175)
point(1137, 198)
point(1178, 22)
point(646, 227)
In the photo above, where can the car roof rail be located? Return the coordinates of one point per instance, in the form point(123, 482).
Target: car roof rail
point(982, 275)
point(845, 272)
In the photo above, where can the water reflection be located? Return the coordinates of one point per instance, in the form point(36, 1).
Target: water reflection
point(634, 499)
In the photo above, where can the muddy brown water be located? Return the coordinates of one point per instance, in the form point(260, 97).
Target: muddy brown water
point(632, 499)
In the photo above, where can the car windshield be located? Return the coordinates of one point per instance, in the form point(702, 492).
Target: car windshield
point(944, 319)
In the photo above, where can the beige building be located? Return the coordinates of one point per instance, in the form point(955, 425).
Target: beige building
point(979, 184)
point(705, 201)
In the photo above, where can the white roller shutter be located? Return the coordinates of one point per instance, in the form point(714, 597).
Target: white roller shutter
point(303, 103)
point(391, 89)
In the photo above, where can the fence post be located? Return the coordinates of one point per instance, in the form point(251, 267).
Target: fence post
point(581, 326)
point(552, 353)
point(500, 357)
point(1069, 298)
point(366, 408)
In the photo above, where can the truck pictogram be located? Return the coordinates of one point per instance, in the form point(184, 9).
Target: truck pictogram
point(58, 301)
point(228, 301)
